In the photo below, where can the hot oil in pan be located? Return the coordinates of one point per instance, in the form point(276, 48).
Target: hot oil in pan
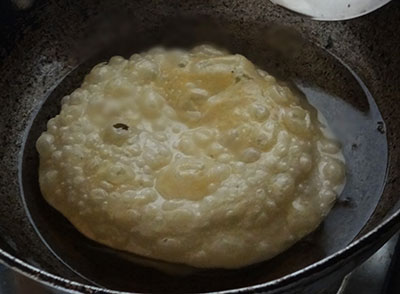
point(324, 80)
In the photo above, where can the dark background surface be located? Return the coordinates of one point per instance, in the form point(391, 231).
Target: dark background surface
point(38, 58)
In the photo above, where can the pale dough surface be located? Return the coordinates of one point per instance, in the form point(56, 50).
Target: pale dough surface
point(193, 157)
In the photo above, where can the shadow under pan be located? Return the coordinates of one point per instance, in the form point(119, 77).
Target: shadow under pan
point(326, 82)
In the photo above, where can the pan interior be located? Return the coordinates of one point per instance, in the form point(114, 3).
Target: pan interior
point(328, 84)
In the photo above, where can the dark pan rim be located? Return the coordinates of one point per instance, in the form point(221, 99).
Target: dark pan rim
point(318, 269)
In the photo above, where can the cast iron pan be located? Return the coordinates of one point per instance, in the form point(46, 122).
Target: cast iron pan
point(349, 70)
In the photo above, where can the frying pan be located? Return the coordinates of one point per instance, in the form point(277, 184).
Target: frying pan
point(349, 70)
